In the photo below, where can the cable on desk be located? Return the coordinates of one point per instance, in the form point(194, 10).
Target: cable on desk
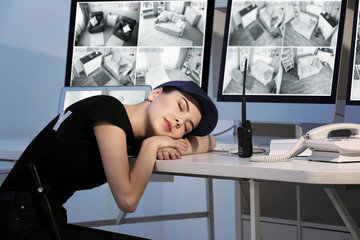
point(226, 130)
point(296, 150)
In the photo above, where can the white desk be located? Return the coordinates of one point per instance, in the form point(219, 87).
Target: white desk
point(248, 15)
point(5, 168)
point(11, 149)
point(298, 170)
point(327, 24)
point(230, 166)
point(111, 19)
point(91, 62)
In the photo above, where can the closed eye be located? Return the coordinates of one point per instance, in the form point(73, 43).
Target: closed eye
point(186, 105)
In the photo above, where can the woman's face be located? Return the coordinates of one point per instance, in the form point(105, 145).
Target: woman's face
point(172, 114)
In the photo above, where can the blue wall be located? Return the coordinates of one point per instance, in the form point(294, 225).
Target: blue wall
point(33, 47)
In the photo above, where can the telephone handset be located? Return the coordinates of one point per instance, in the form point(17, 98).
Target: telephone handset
point(324, 148)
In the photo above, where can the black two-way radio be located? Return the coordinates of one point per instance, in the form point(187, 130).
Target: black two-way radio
point(244, 132)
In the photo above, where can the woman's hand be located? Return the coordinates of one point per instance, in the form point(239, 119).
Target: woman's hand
point(169, 148)
point(163, 142)
point(196, 145)
point(168, 153)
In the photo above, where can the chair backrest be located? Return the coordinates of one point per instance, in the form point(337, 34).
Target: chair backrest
point(129, 21)
point(97, 15)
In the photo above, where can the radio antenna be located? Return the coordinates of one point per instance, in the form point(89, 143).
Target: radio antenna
point(243, 118)
point(245, 148)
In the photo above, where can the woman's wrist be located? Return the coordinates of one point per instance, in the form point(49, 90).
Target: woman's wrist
point(150, 143)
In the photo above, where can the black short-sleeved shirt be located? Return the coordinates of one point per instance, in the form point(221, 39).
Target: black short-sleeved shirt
point(66, 153)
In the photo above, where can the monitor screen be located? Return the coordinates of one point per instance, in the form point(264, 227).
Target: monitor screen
point(352, 109)
point(125, 43)
point(293, 54)
point(125, 94)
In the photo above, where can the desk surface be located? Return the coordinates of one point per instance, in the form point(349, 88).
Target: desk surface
point(5, 167)
point(230, 166)
point(11, 149)
point(297, 170)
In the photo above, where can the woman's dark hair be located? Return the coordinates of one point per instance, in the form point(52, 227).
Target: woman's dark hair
point(169, 89)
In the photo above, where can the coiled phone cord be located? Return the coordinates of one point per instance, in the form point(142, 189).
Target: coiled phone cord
point(296, 150)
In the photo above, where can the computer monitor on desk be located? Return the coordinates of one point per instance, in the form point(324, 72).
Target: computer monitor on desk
point(352, 108)
point(126, 95)
point(122, 43)
point(293, 52)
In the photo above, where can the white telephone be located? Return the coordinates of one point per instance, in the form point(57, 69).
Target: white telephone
point(324, 148)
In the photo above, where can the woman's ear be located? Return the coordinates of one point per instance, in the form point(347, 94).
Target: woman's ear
point(154, 93)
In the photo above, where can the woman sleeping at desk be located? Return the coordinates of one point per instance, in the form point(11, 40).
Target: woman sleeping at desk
point(87, 146)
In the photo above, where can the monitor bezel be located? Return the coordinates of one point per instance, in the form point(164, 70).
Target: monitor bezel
point(102, 89)
point(205, 71)
point(352, 55)
point(283, 98)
